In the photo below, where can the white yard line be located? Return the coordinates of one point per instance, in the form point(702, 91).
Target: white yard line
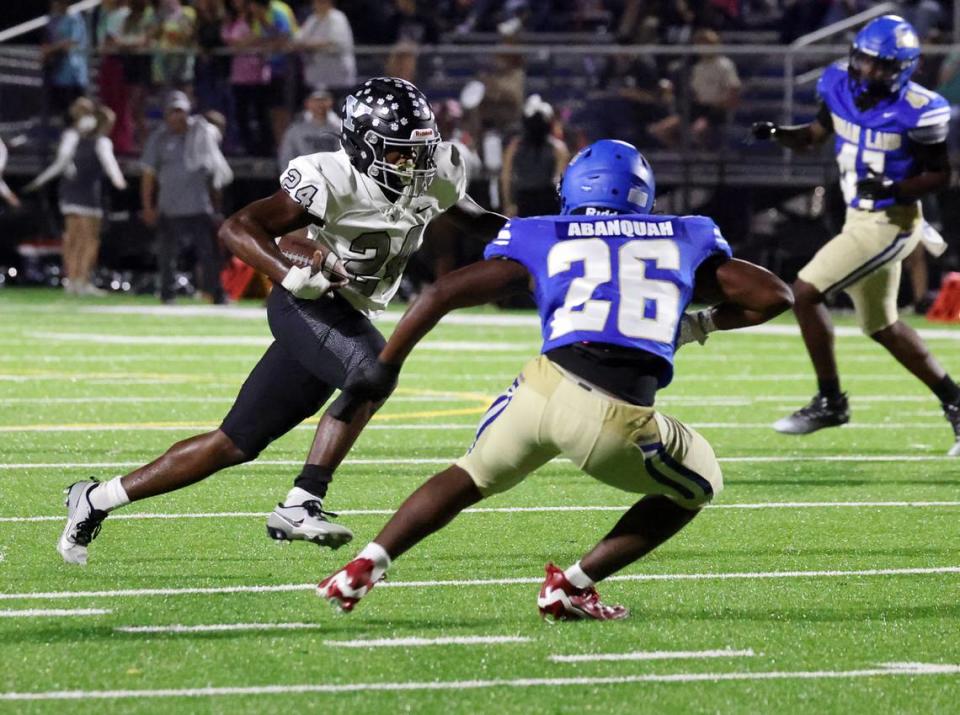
point(419, 642)
point(311, 426)
point(42, 612)
point(279, 588)
point(451, 460)
point(506, 510)
point(220, 627)
point(652, 655)
point(901, 669)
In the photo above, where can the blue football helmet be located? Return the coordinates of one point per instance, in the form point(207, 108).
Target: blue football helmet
point(610, 176)
point(892, 45)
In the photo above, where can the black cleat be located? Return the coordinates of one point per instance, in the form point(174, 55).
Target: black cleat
point(952, 413)
point(819, 413)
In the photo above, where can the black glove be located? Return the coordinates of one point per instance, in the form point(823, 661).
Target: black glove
point(876, 188)
point(373, 383)
point(763, 131)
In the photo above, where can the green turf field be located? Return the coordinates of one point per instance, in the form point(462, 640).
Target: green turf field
point(826, 578)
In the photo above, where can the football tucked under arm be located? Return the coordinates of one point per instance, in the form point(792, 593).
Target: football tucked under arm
point(316, 270)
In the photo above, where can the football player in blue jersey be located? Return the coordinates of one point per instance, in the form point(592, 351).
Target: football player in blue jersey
point(612, 283)
point(890, 143)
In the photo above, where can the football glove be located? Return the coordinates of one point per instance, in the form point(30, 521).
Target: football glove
point(373, 383)
point(876, 188)
point(763, 131)
point(694, 327)
point(318, 279)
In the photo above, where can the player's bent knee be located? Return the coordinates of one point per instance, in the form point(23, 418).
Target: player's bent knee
point(805, 293)
point(228, 450)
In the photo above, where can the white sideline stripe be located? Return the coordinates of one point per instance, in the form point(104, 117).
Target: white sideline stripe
point(178, 628)
point(451, 460)
point(280, 588)
point(254, 340)
point(390, 427)
point(910, 669)
point(652, 655)
point(38, 612)
point(502, 510)
point(417, 642)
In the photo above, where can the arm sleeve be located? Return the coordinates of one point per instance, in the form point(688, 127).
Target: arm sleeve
point(4, 155)
point(824, 118)
point(109, 162)
point(65, 153)
point(304, 182)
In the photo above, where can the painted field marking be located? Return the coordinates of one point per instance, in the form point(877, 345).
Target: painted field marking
point(479, 409)
point(419, 642)
point(280, 588)
point(42, 612)
point(503, 510)
point(220, 627)
point(652, 655)
point(898, 669)
point(451, 460)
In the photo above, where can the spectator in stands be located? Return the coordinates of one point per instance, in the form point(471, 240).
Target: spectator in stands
point(183, 171)
point(411, 24)
point(135, 35)
point(402, 61)
point(176, 36)
point(112, 84)
point(326, 43)
point(318, 129)
point(211, 70)
point(84, 157)
point(274, 26)
point(6, 193)
point(64, 55)
point(716, 90)
point(533, 163)
point(250, 81)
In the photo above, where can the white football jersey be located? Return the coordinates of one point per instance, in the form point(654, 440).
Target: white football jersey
point(373, 237)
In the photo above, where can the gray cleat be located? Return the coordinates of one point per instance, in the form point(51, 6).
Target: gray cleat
point(307, 522)
point(83, 522)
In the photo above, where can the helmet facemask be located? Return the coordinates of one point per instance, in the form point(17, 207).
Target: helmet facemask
point(886, 78)
point(404, 168)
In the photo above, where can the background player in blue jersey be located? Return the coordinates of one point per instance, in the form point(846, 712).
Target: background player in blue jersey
point(890, 143)
point(611, 283)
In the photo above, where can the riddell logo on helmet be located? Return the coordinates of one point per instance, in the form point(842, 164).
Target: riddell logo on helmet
point(421, 133)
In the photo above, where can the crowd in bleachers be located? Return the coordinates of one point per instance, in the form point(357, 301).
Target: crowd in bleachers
point(268, 74)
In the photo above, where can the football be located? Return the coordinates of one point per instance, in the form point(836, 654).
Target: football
point(303, 252)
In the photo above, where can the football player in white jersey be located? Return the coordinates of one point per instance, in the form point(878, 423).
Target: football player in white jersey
point(366, 207)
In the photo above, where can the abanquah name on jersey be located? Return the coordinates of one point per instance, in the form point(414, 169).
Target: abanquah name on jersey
point(620, 227)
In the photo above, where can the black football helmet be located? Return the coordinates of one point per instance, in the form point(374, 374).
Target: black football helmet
point(390, 134)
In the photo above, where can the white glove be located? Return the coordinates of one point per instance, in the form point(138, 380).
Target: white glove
point(306, 285)
point(695, 326)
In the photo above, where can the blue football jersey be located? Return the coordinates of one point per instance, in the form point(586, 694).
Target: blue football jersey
point(620, 280)
point(874, 141)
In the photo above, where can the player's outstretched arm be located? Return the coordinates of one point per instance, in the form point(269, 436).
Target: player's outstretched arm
point(466, 219)
point(476, 284)
point(249, 234)
point(744, 294)
point(798, 137)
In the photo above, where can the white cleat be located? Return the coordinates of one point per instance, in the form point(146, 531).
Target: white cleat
point(83, 522)
point(952, 413)
point(307, 522)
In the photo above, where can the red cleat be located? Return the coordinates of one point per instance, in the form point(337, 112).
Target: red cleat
point(560, 600)
point(348, 585)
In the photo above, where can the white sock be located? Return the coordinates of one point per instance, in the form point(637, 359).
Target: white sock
point(297, 496)
point(379, 556)
point(109, 495)
point(577, 578)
